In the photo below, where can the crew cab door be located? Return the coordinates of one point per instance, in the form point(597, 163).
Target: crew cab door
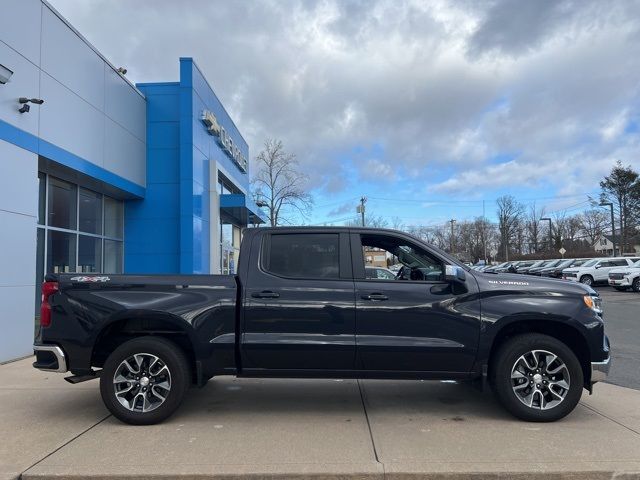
point(418, 321)
point(299, 308)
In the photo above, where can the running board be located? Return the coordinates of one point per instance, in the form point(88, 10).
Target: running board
point(82, 378)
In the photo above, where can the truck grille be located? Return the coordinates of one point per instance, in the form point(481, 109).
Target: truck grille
point(616, 276)
point(568, 274)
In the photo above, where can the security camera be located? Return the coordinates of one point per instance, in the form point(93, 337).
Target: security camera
point(122, 71)
point(5, 74)
point(24, 102)
point(37, 101)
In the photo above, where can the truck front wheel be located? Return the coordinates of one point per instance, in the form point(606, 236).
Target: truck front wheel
point(537, 377)
point(144, 380)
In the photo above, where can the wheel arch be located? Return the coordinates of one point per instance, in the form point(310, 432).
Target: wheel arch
point(566, 333)
point(139, 324)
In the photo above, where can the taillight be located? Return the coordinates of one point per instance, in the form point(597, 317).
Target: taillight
point(48, 289)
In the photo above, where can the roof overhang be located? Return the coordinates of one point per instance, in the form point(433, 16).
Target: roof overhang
point(237, 208)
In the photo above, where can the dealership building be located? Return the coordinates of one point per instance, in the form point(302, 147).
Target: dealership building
point(98, 174)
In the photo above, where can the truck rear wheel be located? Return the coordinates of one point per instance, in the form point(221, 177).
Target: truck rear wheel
point(537, 377)
point(144, 380)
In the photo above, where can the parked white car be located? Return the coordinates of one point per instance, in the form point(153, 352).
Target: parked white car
point(596, 270)
point(626, 277)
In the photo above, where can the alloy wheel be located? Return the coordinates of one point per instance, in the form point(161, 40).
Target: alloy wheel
point(540, 379)
point(142, 382)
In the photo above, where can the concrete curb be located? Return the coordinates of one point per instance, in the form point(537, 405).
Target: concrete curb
point(370, 471)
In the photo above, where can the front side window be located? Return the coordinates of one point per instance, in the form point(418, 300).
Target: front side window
point(306, 255)
point(412, 262)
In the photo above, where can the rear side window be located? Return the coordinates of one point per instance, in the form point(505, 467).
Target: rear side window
point(306, 255)
point(618, 263)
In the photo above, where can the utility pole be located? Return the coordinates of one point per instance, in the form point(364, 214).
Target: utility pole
point(361, 208)
point(613, 228)
point(451, 242)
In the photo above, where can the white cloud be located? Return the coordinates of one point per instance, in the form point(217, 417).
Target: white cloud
point(437, 85)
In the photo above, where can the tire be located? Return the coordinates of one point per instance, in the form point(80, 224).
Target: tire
point(553, 401)
point(635, 286)
point(164, 375)
point(587, 280)
point(620, 289)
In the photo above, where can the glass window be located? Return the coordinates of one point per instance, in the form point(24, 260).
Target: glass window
point(89, 254)
point(304, 255)
point(42, 203)
point(618, 263)
point(39, 264)
point(113, 217)
point(62, 204)
point(417, 263)
point(61, 252)
point(112, 256)
point(90, 214)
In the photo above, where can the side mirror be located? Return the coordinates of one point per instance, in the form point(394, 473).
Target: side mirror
point(453, 273)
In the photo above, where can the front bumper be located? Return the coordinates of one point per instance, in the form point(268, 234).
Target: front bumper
point(600, 370)
point(49, 358)
point(623, 282)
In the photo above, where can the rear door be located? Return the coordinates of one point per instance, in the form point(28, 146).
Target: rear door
point(299, 308)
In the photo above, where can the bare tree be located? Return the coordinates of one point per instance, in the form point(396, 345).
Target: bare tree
point(369, 221)
point(534, 232)
point(396, 223)
point(593, 224)
point(279, 184)
point(510, 213)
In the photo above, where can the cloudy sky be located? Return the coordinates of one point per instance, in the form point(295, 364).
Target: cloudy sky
point(427, 108)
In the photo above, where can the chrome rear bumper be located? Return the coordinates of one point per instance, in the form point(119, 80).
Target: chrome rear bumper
point(56, 361)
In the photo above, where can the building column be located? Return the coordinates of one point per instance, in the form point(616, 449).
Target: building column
point(214, 219)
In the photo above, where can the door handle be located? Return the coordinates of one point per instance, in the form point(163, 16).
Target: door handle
point(265, 294)
point(375, 297)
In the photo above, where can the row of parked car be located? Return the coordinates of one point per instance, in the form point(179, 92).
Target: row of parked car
point(622, 273)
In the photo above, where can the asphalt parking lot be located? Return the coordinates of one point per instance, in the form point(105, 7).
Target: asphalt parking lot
point(622, 317)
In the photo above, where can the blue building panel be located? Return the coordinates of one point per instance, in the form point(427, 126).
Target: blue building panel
point(175, 216)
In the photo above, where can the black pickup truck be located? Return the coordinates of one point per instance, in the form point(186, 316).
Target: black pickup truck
point(302, 306)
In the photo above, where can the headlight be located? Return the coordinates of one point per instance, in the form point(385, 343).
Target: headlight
point(594, 303)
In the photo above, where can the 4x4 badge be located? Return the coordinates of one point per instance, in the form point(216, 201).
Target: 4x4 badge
point(90, 279)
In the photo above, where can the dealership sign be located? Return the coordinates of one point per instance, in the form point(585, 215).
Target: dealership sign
point(225, 141)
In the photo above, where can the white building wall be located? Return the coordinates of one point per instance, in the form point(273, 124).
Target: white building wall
point(90, 111)
point(18, 218)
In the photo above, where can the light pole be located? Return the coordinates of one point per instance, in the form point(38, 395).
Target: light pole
point(613, 228)
point(452, 243)
point(550, 232)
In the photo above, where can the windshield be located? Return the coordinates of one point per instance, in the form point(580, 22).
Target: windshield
point(566, 263)
point(538, 263)
point(590, 263)
point(637, 264)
